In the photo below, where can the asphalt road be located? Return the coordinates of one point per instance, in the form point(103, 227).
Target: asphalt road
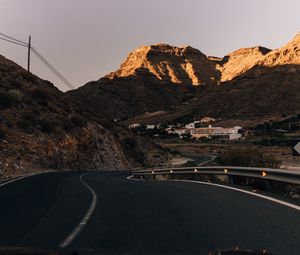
point(141, 217)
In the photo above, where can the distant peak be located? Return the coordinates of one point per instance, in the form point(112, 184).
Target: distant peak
point(185, 50)
point(180, 65)
point(241, 60)
point(250, 50)
point(187, 65)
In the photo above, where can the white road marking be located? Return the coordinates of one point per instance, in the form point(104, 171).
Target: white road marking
point(71, 237)
point(23, 177)
point(14, 180)
point(293, 206)
point(290, 205)
point(133, 179)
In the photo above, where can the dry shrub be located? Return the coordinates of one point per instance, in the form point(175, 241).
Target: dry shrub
point(10, 98)
point(247, 157)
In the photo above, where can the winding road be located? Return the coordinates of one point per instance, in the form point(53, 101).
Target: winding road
point(104, 212)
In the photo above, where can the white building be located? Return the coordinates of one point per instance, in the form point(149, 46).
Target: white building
point(190, 125)
point(132, 126)
point(224, 131)
point(231, 133)
point(178, 131)
point(152, 126)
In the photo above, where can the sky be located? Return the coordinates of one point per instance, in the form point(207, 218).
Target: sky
point(86, 39)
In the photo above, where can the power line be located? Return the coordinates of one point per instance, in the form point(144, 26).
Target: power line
point(14, 39)
point(43, 59)
point(54, 70)
point(21, 44)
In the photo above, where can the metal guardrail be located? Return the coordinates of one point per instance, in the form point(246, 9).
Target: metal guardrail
point(281, 175)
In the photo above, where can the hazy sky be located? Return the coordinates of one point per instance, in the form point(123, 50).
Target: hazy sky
point(86, 39)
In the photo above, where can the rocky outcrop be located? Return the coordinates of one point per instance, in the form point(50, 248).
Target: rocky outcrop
point(286, 55)
point(39, 128)
point(187, 65)
point(89, 148)
point(240, 61)
point(170, 64)
point(92, 147)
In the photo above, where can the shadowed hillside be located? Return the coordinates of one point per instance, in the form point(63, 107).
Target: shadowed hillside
point(40, 129)
point(126, 97)
point(260, 93)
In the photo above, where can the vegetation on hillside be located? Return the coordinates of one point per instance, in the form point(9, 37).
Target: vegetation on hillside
point(247, 157)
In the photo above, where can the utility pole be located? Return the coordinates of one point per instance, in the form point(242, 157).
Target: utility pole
point(29, 48)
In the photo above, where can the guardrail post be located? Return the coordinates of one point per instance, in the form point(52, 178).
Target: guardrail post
point(237, 179)
point(269, 186)
point(230, 179)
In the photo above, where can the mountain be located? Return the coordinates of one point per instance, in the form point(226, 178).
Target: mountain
point(266, 90)
point(40, 129)
point(150, 79)
point(257, 85)
point(248, 85)
point(286, 55)
point(240, 61)
point(170, 64)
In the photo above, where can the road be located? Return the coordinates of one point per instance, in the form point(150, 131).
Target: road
point(141, 217)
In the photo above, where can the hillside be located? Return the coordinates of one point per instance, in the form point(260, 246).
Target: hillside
point(40, 129)
point(124, 97)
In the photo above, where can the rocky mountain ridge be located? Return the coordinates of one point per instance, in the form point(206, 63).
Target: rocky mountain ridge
point(246, 83)
point(178, 65)
point(187, 65)
point(289, 54)
point(240, 61)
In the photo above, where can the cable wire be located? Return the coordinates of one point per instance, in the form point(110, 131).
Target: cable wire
point(14, 39)
point(43, 59)
point(52, 68)
point(21, 44)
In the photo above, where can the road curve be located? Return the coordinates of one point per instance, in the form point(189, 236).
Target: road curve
point(141, 217)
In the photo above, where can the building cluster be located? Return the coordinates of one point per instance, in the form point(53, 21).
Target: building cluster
point(196, 130)
point(207, 132)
